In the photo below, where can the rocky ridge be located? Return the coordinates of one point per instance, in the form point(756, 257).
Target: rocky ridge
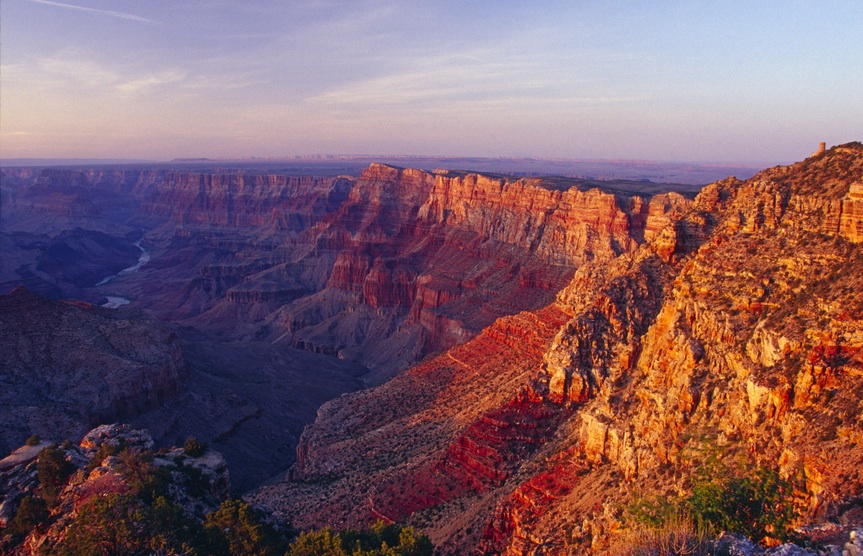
point(69, 366)
point(106, 463)
point(730, 331)
point(399, 262)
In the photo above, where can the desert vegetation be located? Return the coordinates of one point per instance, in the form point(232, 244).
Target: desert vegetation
point(124, 499)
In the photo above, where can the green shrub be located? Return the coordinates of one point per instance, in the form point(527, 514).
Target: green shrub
point(53, 472)
point(196, 483)
point(758, 505)
point(193, 448)
point(33, 440)
point(124, 524)
point(380, 540)
point(317, 543)
point(145, 479)
point(31, 513)
point(245, 529)
point(112, 524)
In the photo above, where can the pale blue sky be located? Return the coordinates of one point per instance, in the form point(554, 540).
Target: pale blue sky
point(741, 81)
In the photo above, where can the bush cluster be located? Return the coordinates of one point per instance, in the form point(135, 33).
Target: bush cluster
point(758, 504)
point(194, 448)
point(381, 540)
point(147, 520)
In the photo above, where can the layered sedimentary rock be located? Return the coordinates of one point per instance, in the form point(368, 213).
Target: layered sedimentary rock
point(51, 200)
point(382, 269)
point(245, 200)
point(732, 330)
point(450, 404)
point(851, 220)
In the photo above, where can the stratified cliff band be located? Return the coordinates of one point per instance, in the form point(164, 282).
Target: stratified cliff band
point(729, 328)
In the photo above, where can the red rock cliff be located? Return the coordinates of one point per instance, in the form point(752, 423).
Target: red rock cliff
point(407, 261)
point(735, 332)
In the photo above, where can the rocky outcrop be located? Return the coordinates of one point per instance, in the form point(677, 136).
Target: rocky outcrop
point(851, 220)
point(732, 333)
point(110, 460)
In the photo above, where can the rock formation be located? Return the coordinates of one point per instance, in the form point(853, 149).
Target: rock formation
point(580, 348)
point(382, 269)
point(110, 461)
point(729, 331)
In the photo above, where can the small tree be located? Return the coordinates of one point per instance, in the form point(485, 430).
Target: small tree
point(245, 529)
point(53, 471)
point(318, 543)
point(124, 524)
point(145, 479)
point(193, 448)
point(31, 513)
point(758, 505)
point(113, 524)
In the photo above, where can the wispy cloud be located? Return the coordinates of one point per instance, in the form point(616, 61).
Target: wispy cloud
point(69, 71)
point(472, 77)
point(140, 84)
point(111, 13)
point(67, 68)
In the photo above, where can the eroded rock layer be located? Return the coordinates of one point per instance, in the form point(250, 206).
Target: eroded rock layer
point(733, 333)
point(382, 269)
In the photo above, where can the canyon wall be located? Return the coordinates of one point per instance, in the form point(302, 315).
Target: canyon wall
point(732, 334)
point(382, 269)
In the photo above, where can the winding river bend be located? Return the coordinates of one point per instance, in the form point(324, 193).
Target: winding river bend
point(117, 301)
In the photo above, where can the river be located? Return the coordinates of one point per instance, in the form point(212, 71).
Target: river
point(115, 301)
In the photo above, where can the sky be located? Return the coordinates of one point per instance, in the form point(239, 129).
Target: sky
point(731, 81)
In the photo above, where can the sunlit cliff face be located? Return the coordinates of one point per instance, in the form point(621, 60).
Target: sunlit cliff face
point(728, 335)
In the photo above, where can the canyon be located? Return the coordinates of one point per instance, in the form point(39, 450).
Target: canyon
point(730, 333)
point(315, 285)
point(507, 363)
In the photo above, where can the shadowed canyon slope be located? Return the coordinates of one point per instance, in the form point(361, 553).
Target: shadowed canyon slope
point(274, 280)
point(382, 269)
point(734, 332)
point(67, 366)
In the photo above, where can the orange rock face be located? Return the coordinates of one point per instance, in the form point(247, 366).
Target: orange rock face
point(730, 333)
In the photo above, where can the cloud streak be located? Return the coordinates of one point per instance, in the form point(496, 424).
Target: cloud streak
point(119, 15)
point(457, 77)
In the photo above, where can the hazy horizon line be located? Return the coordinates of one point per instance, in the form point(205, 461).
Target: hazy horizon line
point(323, 157)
